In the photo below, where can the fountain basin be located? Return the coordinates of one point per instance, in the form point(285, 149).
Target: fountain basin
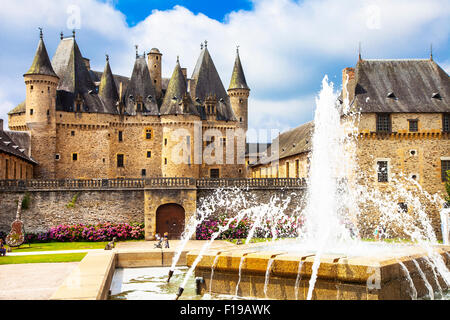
point(340, 277)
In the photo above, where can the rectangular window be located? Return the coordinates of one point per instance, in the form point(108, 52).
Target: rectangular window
point(74, 156)
point(445, 166)
point(297, 168)
point(143, 172)
point(149, 154)
point(446, 122)
point(287, 169)
point(72, 133)
point(413, 125)
point(382, 171)
point(165, 160)
point(383, 122)
point(120, 136)
point(223, 141)
point(214, 173)
point(120, 163)
point(148, 134)
point(6, 169)
point(57, 156)
point(31, 112)
point(165, 141)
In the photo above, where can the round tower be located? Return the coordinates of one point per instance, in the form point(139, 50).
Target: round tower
point(155, 68)
point(41, 83)
point(239, 93)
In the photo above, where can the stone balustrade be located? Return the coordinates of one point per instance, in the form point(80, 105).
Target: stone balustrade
point(155, 183)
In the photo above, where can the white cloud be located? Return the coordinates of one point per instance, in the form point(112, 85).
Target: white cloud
point(286, 46)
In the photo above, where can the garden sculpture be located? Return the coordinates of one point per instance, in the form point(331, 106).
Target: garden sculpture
point(16, 236)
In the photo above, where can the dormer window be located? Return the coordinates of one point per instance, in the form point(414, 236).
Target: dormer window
point(391, 95)
point(436, 95)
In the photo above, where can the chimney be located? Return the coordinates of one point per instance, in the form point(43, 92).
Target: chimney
point(348, 77)
point(87, 63)
point(1, 124)
point(184, 71)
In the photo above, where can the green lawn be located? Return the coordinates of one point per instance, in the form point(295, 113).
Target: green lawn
point(54, 246)
point(43, 258)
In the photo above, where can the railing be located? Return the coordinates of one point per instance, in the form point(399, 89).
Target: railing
point(260, 183)
point(169, 183)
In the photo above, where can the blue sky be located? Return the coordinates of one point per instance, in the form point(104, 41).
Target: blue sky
point(286, 46)
point(137, 10)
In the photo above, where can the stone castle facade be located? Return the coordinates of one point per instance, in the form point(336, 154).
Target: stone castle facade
point(85, 124)
point(404, 126)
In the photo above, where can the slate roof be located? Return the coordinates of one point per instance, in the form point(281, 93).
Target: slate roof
point(176, 99)
point(292, 142)
point(20, 108)
point(140, 85)
point(206, 82)
point(10, 146)
point(411, 83)
point(237, 77)
point(41, 62)
point(75, 80)
point(107, 89)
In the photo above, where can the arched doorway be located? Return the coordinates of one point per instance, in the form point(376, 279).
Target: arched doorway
point(170, 218)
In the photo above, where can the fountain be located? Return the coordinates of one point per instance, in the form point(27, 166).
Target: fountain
point(328, 259)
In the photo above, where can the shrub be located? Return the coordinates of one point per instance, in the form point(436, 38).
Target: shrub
point(284, 227)
point(95, 233)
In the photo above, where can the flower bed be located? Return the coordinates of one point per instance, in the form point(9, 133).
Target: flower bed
point(285, 227)
point(81, 232)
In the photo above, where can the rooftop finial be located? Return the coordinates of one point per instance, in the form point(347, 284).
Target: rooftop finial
point(206, 43)
point(178, 59)
point(201, 46)
point(41, 35)
point(237, 49)
point(107, 57)
point(431, 51)
point(61, 35)
point(136, 47)
point(73, 33)
point(359, 51)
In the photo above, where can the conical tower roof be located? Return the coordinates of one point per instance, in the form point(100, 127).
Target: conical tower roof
point(206, 78)
point(141, 87)
point(207, 83)
point(41, 63)
point(176, 100)
point(107, 89)
point(237, 77)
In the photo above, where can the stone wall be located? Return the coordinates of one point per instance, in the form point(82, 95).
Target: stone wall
point(230, 202)
point(49, 208)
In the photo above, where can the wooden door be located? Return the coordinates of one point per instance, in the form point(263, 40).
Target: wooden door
point(170, 218)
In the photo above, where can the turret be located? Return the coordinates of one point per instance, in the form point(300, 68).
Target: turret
point(108, 90)
point(41, 83)
point(239, 93)
point(155, 68)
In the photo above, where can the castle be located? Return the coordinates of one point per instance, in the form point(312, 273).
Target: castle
point(85, 124)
